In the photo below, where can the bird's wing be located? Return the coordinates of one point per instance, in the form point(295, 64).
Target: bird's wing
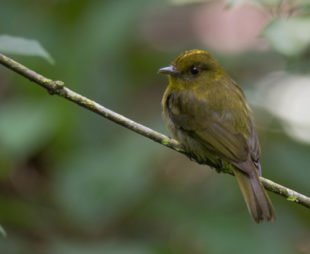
point(226, 132)
point(220, 140)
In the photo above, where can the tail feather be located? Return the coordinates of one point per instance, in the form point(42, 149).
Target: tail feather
point(255, 196)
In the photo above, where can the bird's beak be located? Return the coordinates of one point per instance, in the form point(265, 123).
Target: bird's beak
point(170, 70)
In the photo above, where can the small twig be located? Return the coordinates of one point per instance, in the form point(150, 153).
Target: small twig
point(57, 87)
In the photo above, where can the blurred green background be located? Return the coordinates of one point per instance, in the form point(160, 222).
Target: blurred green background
point(72, 182)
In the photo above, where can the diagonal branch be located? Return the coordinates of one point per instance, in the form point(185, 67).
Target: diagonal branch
point(57, 87)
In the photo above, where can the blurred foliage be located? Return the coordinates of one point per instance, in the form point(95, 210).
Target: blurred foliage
point(289, 36)
point(2, 231)
point(21, 46)
point(72, 182)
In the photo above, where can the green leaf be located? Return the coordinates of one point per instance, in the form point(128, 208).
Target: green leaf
point(25, 47)
point(2, 231)
point(289, 37)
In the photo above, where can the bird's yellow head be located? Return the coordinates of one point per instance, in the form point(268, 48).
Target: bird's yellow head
point(193, 68)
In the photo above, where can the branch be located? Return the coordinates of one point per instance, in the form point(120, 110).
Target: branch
point(57, 87)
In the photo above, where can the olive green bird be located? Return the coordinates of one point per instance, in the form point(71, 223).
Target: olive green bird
point(208, 114)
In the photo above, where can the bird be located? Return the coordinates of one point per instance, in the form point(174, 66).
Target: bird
point(207, 112)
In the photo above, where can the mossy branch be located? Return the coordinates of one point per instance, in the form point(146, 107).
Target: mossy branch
point(57, 87)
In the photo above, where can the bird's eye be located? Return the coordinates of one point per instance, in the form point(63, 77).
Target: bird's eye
point(194, 70)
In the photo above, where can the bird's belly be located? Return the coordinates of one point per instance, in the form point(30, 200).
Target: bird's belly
point(194, 149)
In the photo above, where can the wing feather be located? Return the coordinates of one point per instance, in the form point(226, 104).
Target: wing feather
point(217, 128)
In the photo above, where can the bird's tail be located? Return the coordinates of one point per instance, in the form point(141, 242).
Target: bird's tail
point(255, 196)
